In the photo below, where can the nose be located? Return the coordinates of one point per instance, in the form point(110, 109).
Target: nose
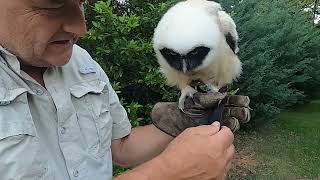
point(74, 20)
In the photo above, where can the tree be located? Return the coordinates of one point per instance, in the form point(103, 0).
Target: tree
point(280, 52)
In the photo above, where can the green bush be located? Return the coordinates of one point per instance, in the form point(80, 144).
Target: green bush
point(120, 40)
point(280, 51)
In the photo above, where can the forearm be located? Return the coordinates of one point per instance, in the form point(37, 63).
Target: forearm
point(152, 170)
point(143, 144)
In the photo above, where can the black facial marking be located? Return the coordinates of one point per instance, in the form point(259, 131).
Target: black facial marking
point(231, 42)
point(173, 58)
point(193, 59)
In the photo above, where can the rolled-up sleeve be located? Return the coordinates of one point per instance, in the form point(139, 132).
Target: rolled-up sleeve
point(121, 125)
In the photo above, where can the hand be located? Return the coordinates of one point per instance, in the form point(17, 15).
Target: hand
point(199, 153)
point(230, 111)
point(202, 109)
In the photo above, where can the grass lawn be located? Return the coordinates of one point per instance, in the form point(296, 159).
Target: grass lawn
point(288, 148)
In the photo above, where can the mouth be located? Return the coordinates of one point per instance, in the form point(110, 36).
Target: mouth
point(61, 46)
point(62, 42)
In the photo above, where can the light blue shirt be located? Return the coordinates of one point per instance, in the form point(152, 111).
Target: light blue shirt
point(63, 131)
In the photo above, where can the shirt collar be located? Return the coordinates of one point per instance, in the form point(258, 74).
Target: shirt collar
point(10, 59)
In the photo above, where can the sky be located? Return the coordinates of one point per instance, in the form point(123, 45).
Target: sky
point(317, 18)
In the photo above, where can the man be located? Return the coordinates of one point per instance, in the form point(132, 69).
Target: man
point(61, 119)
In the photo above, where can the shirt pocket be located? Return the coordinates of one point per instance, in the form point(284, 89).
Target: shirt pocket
point(20, 153)
point(91, 102)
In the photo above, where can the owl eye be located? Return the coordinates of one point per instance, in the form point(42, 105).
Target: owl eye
point(172, 53)
point(199, 52)
point(169, 53)
point(194, 52)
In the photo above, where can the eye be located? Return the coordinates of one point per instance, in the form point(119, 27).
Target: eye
point(169, 53)
point(172, 53)
point(201, 51)
point(48, 4)
point(81, 2)
point(194, 52)
point(52, 7)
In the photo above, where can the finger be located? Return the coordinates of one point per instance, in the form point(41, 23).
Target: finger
point(230, 155)
point(160, 109)
point(209, 100)
point(221, 177)
point(207, 129)
point(237, 100)
point(228, 167)
point(231, 123)
point(224, 137)
point(240, 113)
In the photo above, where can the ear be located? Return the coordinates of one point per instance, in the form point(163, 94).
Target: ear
point(229, 29)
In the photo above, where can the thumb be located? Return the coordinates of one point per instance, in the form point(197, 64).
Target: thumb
point(207, 130)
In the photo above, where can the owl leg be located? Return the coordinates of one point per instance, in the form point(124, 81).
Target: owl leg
point(185, 92)
point(213, 88)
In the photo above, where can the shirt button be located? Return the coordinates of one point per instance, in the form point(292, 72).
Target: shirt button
point(75, 173)
point(63, 130)
point(39, 92)
point(4, 103)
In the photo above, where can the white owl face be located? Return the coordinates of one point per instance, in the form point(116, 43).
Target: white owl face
point(186, 38)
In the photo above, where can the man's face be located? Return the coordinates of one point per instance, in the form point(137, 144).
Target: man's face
point(41, 32)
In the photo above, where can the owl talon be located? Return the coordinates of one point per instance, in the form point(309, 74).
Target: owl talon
point(186, 92)
point(181, 103)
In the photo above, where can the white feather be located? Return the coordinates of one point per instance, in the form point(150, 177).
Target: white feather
point(194, 23)
point(228, 26)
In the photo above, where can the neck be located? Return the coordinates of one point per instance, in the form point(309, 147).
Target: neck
point(35, 72)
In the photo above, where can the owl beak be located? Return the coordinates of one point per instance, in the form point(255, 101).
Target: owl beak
point(184, 65)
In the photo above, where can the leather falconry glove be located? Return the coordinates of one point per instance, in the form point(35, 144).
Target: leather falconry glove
point(202, 109)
